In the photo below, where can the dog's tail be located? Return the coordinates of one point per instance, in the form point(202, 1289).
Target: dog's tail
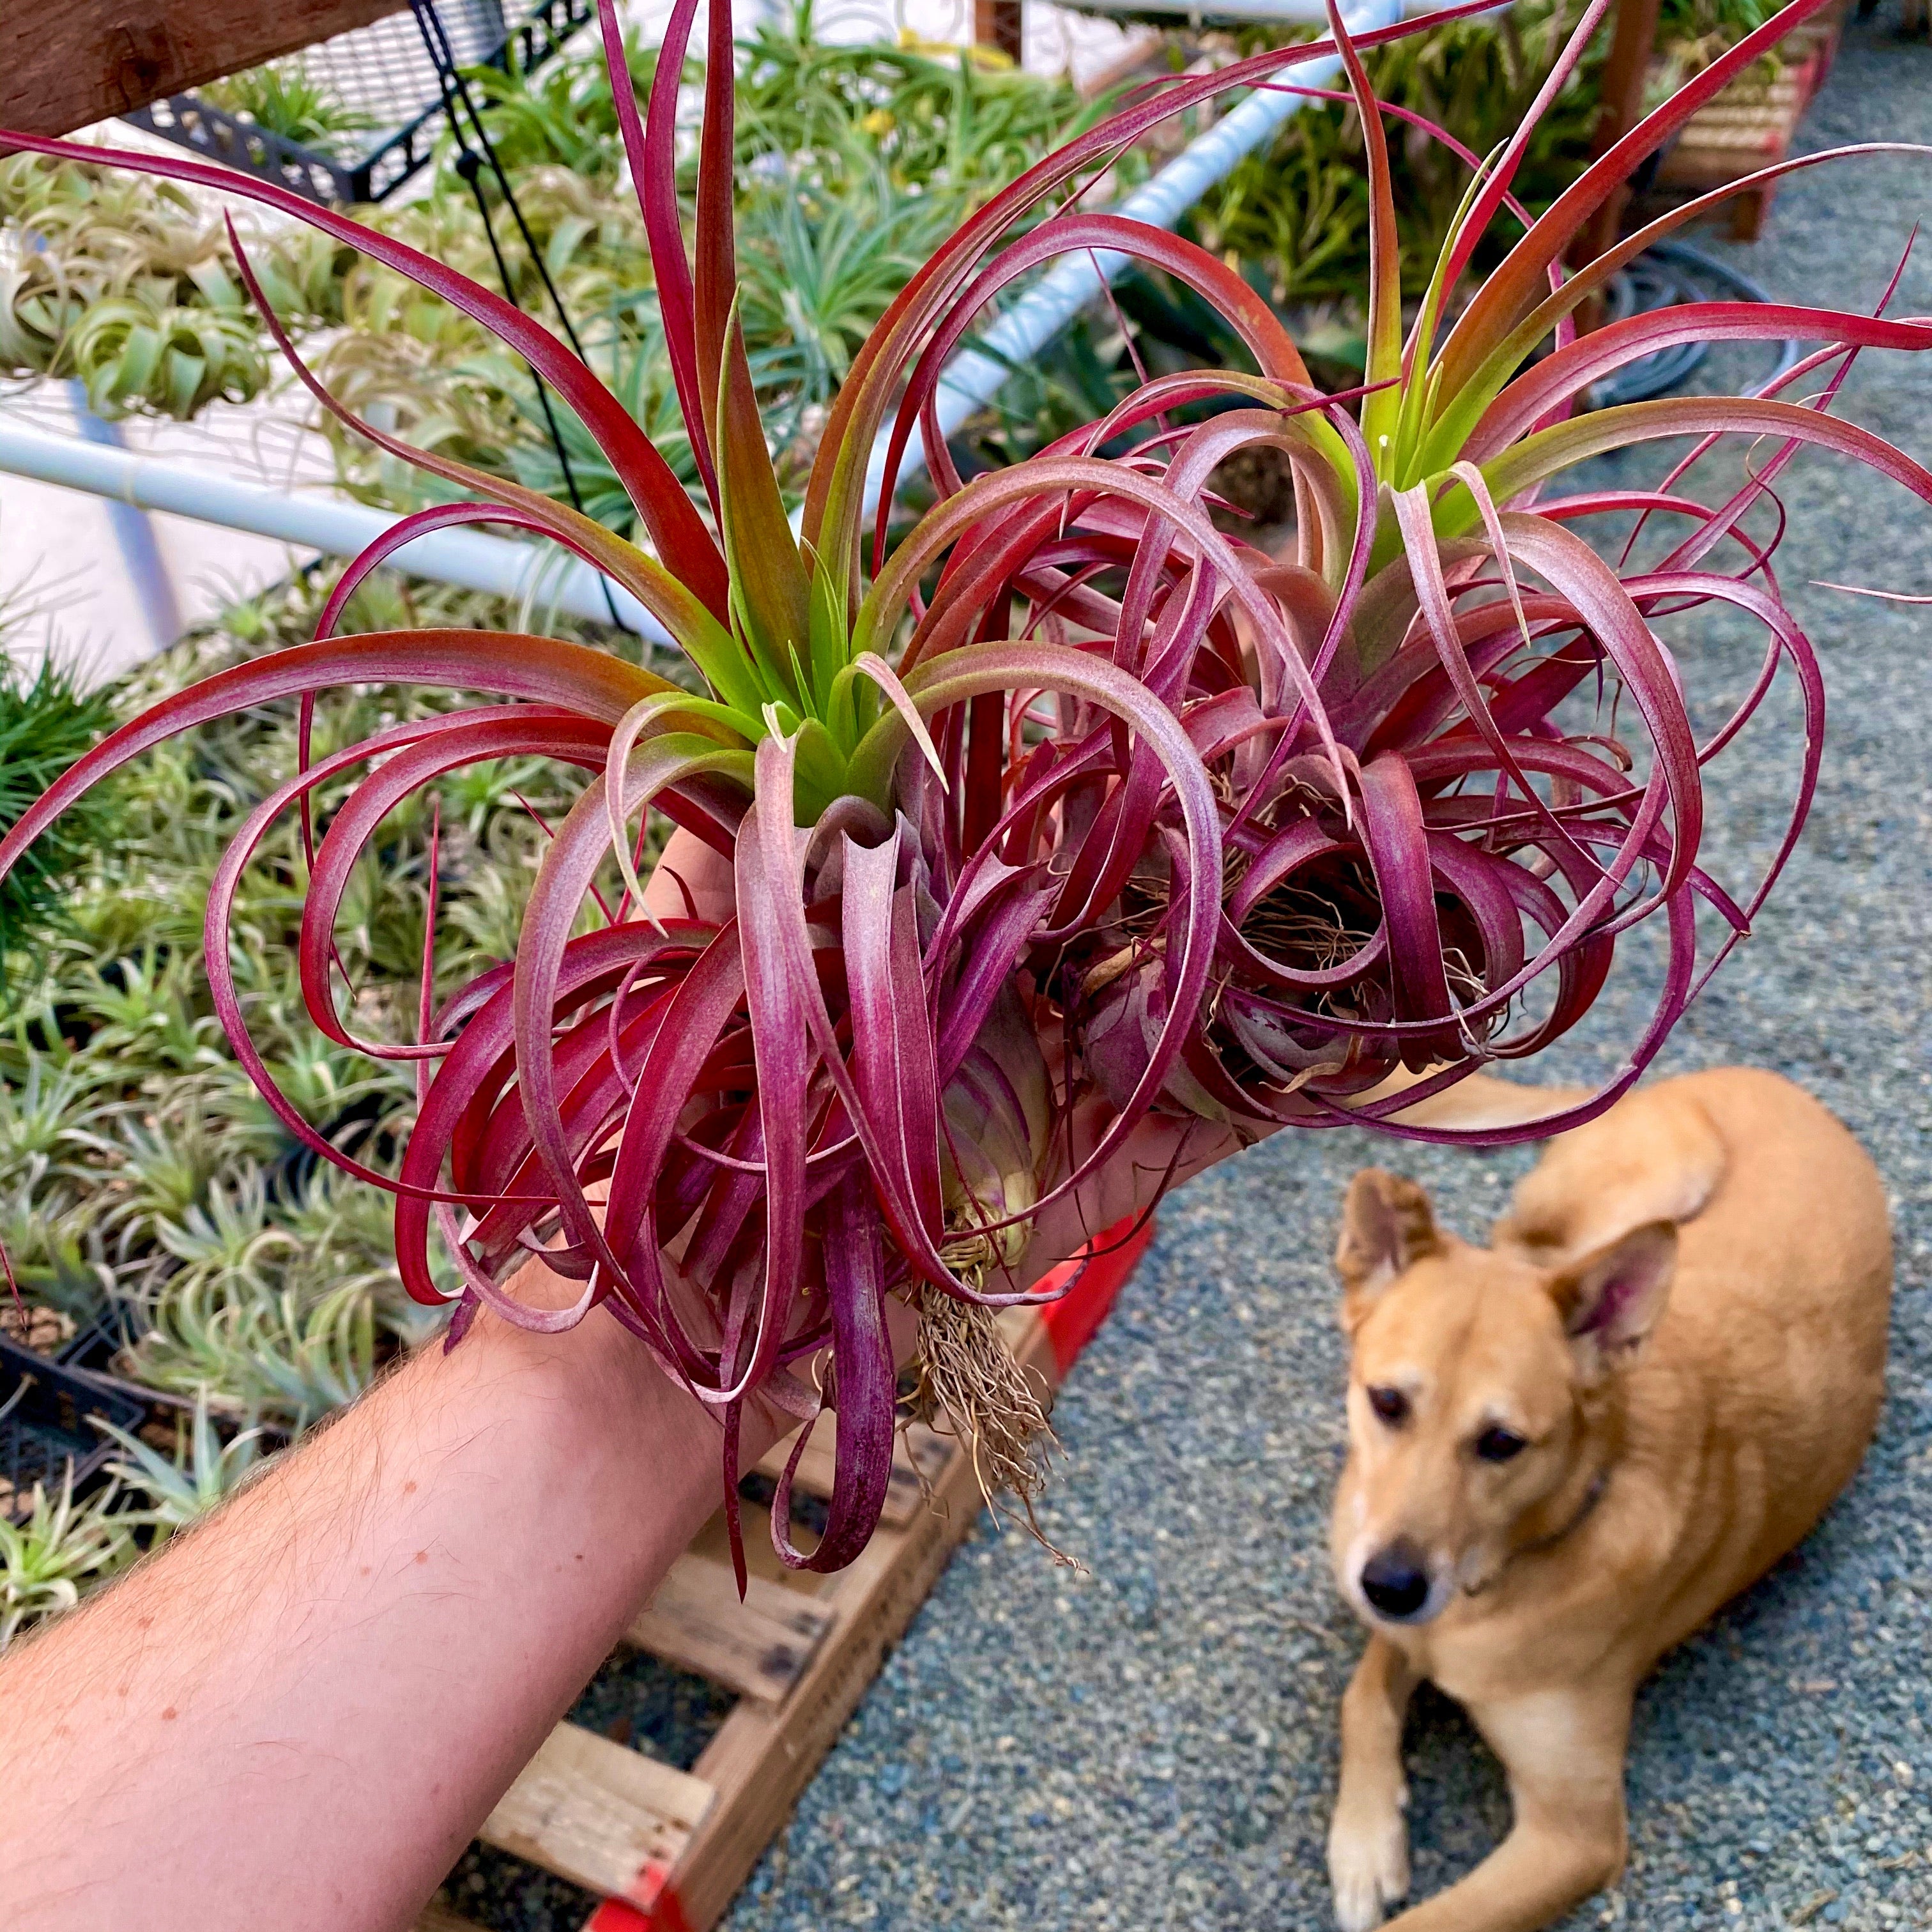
point(1481, 1101)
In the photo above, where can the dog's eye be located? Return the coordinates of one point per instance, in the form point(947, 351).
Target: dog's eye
point(1390, 1404)
point(1498, 1445)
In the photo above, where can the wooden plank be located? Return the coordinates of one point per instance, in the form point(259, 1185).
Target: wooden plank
point(759, 1647)
point(61, 67)
point(763, 1755)
point(1620, 97)
point(440, 1919)
point(605, 1817)
point(917, 1449)
point(766, 1752)
point(767, 1749)
point(1001, 24)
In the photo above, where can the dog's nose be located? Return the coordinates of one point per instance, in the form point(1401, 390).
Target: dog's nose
point(1395, 1581)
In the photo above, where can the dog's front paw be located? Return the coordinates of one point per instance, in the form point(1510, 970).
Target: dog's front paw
point(1368, 1863)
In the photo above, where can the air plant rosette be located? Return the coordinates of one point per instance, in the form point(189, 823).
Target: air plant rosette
point(1069, 804)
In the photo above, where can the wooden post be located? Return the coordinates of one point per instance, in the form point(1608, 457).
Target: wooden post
point(997, 23)
point(63, 68)
point(1620, 108)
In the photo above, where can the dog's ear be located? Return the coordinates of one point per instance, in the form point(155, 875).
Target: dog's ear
point(1387, 1226)
point(1611, 1300)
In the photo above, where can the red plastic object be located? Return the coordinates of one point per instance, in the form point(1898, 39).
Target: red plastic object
point(615, 1915)
point(652, 1906)
point(1070, 1322)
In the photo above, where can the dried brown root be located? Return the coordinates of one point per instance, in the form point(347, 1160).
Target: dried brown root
point(968, 1385)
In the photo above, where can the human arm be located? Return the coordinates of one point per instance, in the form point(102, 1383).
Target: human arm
point(304, 1708)
point(302, 1711)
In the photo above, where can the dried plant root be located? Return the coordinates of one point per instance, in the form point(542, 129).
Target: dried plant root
point(969, 1385)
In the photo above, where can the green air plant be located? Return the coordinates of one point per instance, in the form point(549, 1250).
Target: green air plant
point(1068, 803)
point(203, 1470)
point(268, 1351)
point(47, 721)
point(62, 1548)
point(130, 286)
point(564, 112)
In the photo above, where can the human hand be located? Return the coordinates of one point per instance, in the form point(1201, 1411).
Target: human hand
point(690, 879)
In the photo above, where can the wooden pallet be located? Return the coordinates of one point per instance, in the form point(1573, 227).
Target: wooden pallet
point(669, 1849)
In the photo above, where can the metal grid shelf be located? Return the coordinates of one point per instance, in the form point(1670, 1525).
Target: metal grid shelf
point(384, 71)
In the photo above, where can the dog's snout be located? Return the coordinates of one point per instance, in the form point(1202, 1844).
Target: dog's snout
point(1395, 1581)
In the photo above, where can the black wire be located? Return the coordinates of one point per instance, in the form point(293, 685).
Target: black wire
point(1694, 271)
point(469, 165)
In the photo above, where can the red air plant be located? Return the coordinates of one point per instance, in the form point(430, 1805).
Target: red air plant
point(1239, 837)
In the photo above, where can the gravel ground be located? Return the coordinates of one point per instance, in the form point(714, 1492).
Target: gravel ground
point(1149, 1742)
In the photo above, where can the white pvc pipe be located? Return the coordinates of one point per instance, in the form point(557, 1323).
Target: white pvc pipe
point(1281, 13)
point(973, 379)
point(470, 559)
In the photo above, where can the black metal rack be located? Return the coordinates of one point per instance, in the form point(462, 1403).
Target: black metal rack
point(385, 71)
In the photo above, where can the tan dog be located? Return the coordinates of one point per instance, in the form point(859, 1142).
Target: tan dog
point(1567, 1450)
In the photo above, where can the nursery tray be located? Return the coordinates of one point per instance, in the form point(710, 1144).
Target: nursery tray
point(384, 70)
point(44, 1425)
point(668, 1849)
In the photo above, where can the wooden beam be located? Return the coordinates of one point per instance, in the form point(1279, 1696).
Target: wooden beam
point(64, 67)
point(1620, 95)
point(440, 1919)
point(998, 23)
point(604, 1816)
point(763, 1755)
point(758, 1648)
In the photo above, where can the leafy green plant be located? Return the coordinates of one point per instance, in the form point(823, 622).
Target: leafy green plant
point(1301, 212)
point(636, 368)
point(952, 124)
point(285, 98)
point(47, 721)
point(46, 1120)
point(60, 1262)
point(203, 1471)
point(564, 113)
point(144, 1182)
point(1727, 20)
point(140, 1168)
point(268, 1351)
point(1691, 33)
point(62, 1548)
point(816, 273)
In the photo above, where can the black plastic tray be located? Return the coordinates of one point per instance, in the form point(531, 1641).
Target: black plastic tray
point(44, 1425)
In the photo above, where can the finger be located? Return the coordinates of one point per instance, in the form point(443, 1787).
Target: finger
point(1160, 1154)
point(690, 880)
